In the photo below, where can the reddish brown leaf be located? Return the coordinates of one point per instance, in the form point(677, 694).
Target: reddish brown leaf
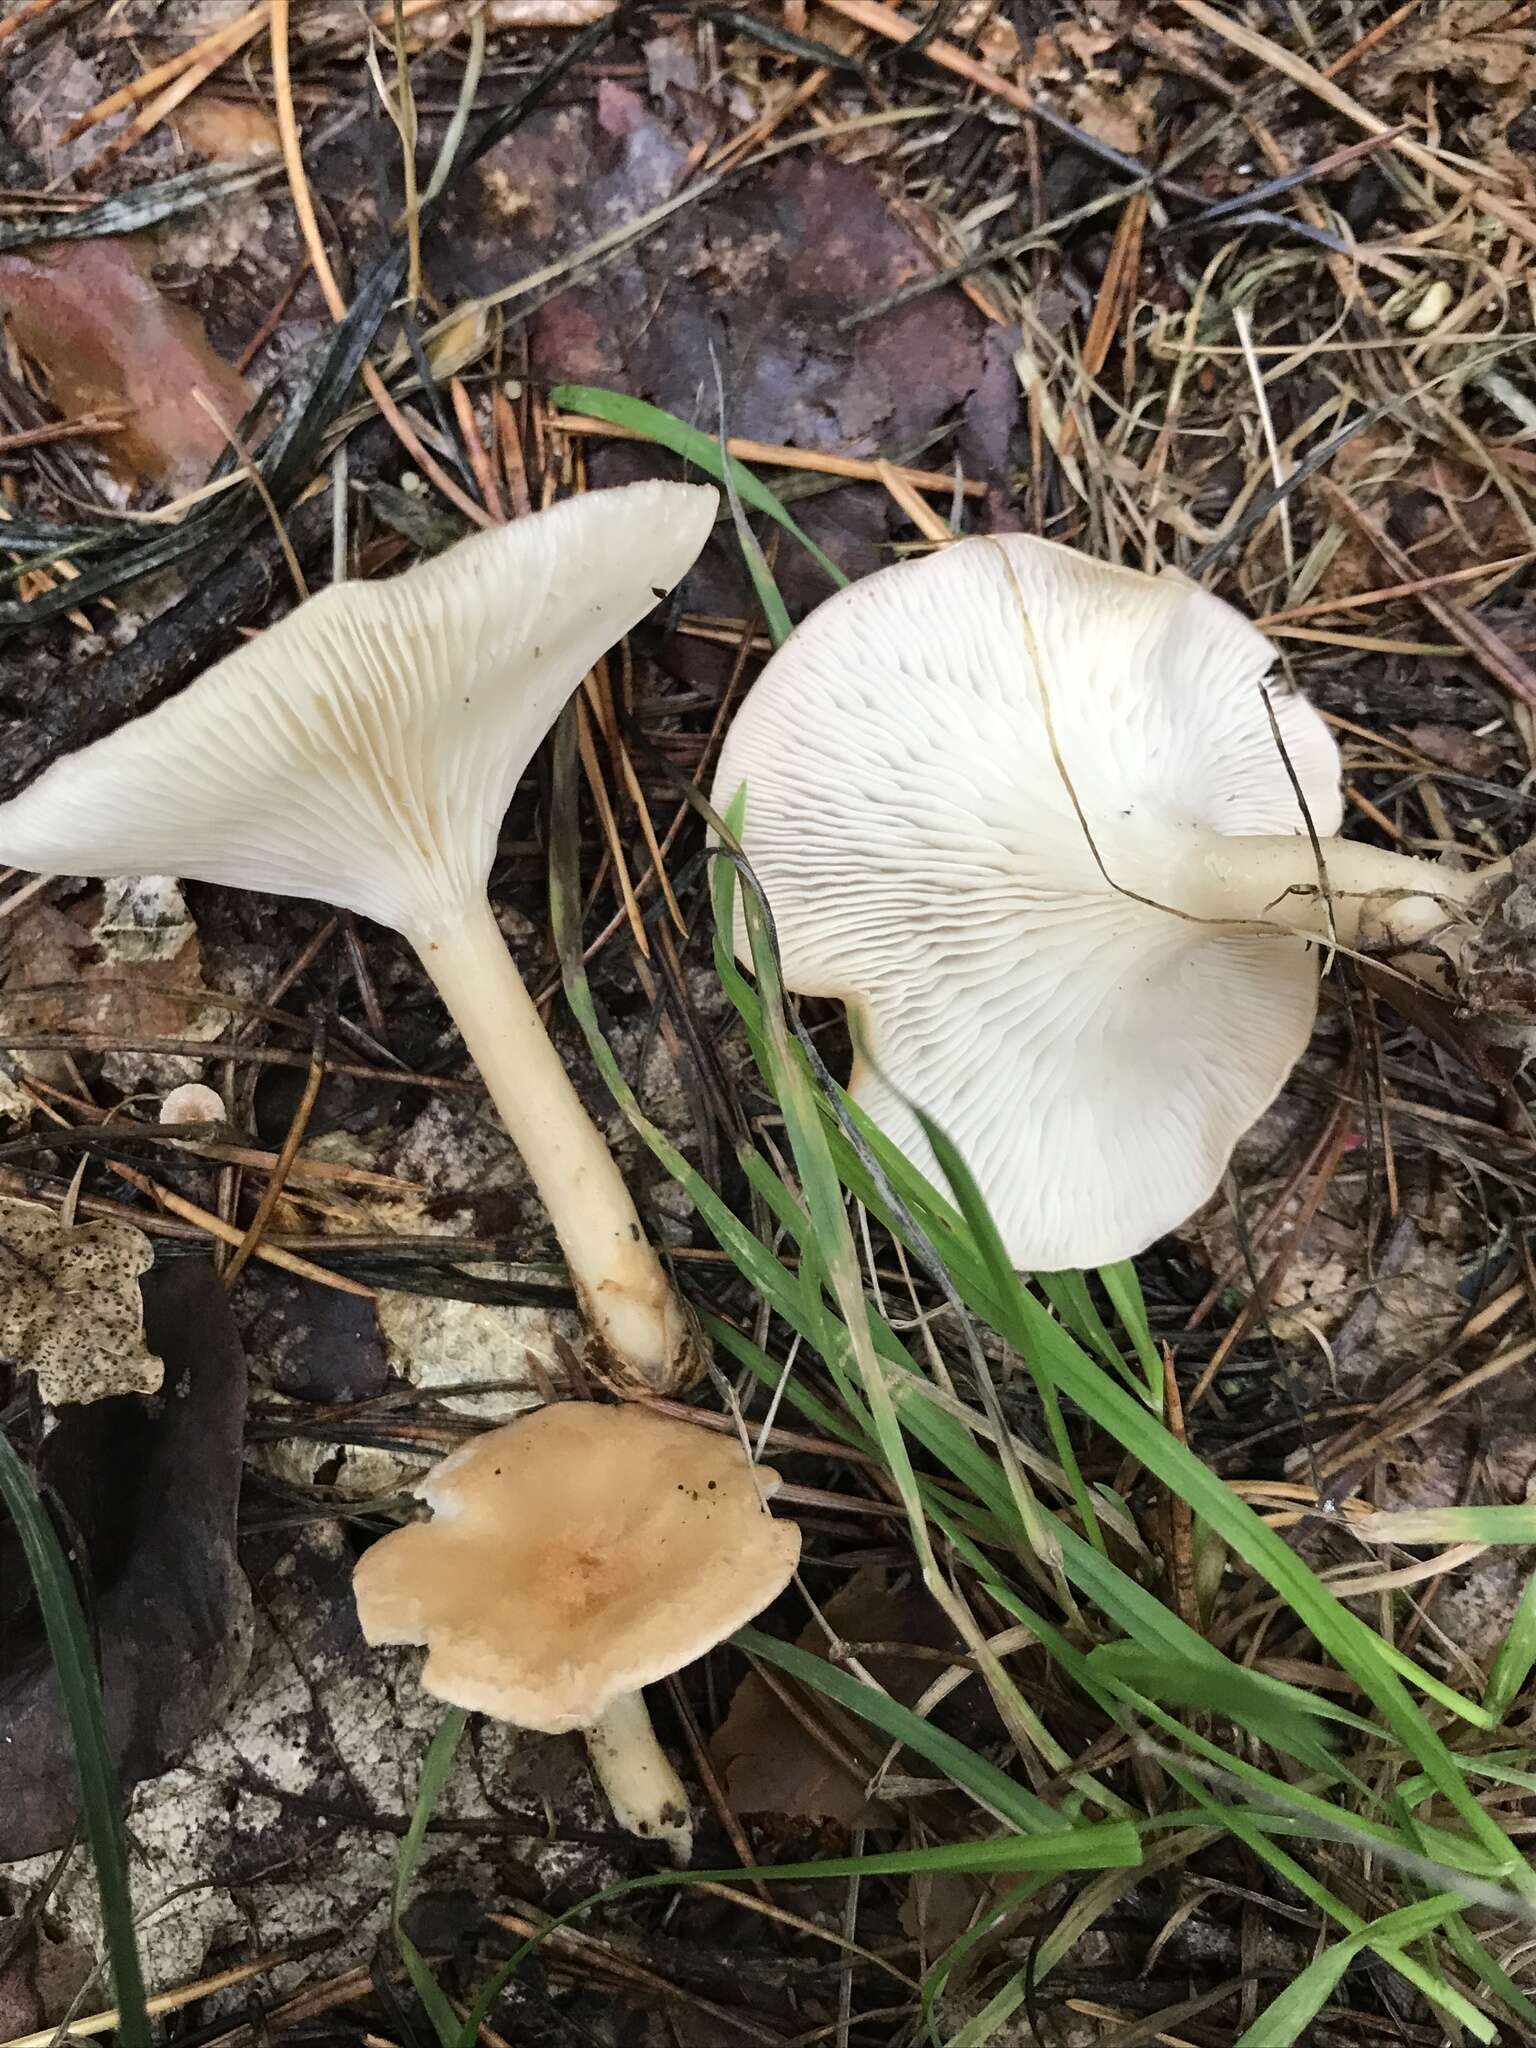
point(91, 316)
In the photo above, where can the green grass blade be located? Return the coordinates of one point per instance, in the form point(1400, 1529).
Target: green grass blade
point(435, 1771)
point(1099, 1845)
point(1469, 1950)
point(1357, 1648)
point(434, 1775)
point(1516, 1656)
point(694, 446)
point(1124, 1290)
point(1285, 2019)
point(1253, 1830)
point(69, 1645)
point(991, 1788)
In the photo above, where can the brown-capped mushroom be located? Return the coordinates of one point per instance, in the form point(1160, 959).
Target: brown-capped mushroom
point(574, 1556)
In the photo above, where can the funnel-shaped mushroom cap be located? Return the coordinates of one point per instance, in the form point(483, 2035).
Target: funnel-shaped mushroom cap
point(1094, 1058)
point(575, 1556)
point(364, 750)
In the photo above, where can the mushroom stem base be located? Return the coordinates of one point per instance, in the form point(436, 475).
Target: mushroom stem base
point(646, 1794)
point(645, 1338)
point(1370, 893)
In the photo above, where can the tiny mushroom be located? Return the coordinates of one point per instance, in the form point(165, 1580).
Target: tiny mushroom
point(363, 752)
point(1038, 823)
point(574, 1556)
point(194, 1102)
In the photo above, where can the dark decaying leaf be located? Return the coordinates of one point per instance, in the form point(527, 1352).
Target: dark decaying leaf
point(768, 1760)
point(153, 1487)
point(125, 213)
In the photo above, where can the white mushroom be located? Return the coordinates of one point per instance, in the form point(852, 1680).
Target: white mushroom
point(1027, 816)
point(573, 1557)
point(194, 1102)
point(363, 752)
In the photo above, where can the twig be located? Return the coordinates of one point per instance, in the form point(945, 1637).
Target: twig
point(215, 56)
point(277, 1178)
point(1416, 588)
point(775, 456)
point(336, 305)
point(22, 16)
point(231, 37)
point(89, 423)
point(163, 2001)
point(1371, 38)
point(227, 1233)
point(922, 515)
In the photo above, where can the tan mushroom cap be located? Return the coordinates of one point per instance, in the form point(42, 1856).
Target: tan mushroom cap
point(574, 1556)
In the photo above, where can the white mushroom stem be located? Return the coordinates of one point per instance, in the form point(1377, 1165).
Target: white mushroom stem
point(626, 1299)
point(1274, 879)
point(646, 1794)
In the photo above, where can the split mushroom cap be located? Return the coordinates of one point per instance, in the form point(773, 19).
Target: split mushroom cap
point(1083, 1003)
point(574, 1556)
point(364, 750)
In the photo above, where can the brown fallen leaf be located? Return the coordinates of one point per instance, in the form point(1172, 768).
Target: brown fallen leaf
point(70, 1308)
point(1453, 746)
point(1486, 51)
point(1445, 512)
point(228, 131)
point(92, 317)
point(126, 962)
point(1486, 42)
point(940, 1905)
point(767, 1761)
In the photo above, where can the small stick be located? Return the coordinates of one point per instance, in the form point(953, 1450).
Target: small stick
point(1116, 295)
point(854, 467)
point(475, 449)
point(921, 514)
point(163, 2001)
point(1181, 1516)
point(59, 430)
point(336, 305)
point(255, 477)
point(1495, 655)
point(513, 465)
point(230, 37)
point(1321, 87)
point(269, 326)
point(759, 131)
point(590, 763)
point(168, 101)
point(251, 1242)
point(1389, 591)
point(1258, 1302)
point(885, 21)
point(1371, 38)
point(22, 16)
point(227, 1233)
